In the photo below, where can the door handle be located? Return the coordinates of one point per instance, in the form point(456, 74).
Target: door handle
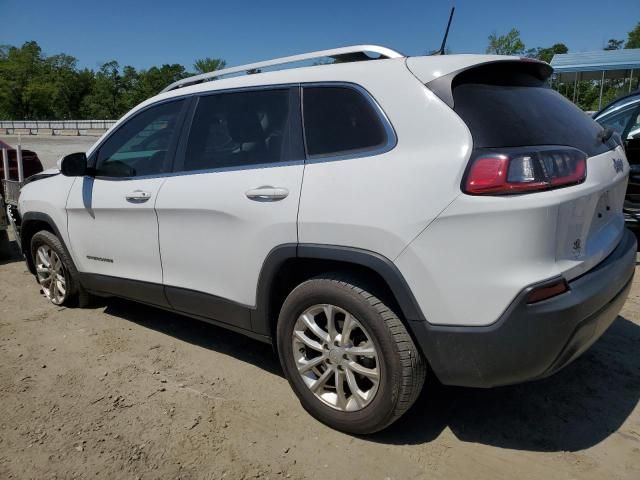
point(138, 196)
point(267, 194)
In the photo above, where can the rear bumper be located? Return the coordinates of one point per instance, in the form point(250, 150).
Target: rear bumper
point(533, 341)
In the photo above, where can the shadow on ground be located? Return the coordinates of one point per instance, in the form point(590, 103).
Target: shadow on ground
point(9, 251)
point(575, 409)
point(196, 332)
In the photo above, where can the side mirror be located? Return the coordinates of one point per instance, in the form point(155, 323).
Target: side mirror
point(74, 165)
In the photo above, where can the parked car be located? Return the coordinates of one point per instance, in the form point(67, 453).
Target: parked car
point(31, 166)
point(623, 117)
point(374, 219)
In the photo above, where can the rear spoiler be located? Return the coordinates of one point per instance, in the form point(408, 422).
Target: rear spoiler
point(495, 70)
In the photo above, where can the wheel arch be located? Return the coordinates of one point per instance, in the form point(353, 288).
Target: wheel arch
point(32, 223)
point(288, 265)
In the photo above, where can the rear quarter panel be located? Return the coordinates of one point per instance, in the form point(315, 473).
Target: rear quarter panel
point(381, 202)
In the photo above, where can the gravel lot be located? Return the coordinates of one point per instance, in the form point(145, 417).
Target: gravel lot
point(122, 390)
point(127, 391)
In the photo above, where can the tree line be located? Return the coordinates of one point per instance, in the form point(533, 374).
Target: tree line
point(36, 86)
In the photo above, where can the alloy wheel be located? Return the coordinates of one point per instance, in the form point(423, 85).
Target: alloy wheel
point(336, 357)
point(51, 274)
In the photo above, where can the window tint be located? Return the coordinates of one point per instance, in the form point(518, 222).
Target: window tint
point(241, 128)
point(141, 145)
point(505, 105)
point(340, 120)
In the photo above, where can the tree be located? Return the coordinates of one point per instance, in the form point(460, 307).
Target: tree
point(103, 102)
point(40, 87)
point(154, 80)
point(614, 44)
point(208, 64)
point(509, 44)
point(546, 54)
point(633, 38)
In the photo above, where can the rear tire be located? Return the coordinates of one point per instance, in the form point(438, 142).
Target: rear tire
point(370, 366)
point(55, 271)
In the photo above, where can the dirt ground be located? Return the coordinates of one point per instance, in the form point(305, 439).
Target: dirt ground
point(127, 391)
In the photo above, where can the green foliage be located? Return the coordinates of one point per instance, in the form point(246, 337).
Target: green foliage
point(509, 44)
point(34, 86)
point(614, 44)
point(208, 64)
point(546, 54)
point(633, 38)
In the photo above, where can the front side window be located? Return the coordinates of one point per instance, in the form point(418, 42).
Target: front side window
point(240, 129)
point(340, 120)
point(141, 145)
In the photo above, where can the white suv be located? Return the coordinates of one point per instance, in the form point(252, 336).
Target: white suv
point(374, 218)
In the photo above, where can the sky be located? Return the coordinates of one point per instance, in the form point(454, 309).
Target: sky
point(144, 33)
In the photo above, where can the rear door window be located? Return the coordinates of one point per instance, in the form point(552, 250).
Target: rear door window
point(340, 120)
point(240, 129)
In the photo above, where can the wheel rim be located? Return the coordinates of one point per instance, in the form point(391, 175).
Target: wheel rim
point(336, 358)
point(51, 274)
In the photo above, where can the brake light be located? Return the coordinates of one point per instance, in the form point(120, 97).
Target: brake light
point(521, 170)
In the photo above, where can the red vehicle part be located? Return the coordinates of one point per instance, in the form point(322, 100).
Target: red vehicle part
point(30, 161)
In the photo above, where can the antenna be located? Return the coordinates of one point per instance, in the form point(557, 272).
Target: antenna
point(446, 33)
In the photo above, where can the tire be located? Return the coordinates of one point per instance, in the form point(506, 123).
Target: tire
point(399, 365)
point(74, 294)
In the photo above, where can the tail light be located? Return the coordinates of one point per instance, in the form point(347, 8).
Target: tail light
point(521, 170)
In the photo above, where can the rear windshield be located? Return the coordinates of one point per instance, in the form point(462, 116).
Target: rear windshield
point(504, 107)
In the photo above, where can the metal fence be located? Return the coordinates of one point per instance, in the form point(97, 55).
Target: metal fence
point(33, 126)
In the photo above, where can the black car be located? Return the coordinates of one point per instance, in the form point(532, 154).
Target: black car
point(623, 116)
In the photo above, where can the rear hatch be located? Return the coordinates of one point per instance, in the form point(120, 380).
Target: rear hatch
point(545, 143)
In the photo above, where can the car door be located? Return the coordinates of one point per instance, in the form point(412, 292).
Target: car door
point(111, 218)
point(625, 120)
point(232, 199)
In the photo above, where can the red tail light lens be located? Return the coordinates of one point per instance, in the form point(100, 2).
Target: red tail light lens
point(521, 170)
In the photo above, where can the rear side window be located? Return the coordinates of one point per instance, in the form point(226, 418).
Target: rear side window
point(507, 107)
point(340, 120)
point(243, 128)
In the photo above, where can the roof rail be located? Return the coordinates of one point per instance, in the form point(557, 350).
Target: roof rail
point(348, 54)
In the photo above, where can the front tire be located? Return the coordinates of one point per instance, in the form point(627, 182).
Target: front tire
point(347, 355)
point(55, 271)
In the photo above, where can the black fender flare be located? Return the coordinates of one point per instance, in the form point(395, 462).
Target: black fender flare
point(384, 267)
point(26, 247)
